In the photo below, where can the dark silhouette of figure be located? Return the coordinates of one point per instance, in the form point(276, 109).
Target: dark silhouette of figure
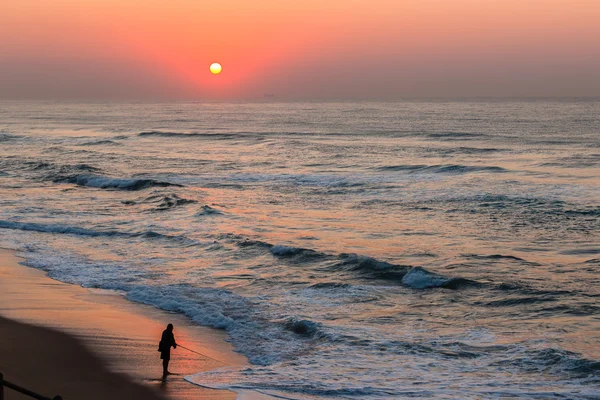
point(166, 342)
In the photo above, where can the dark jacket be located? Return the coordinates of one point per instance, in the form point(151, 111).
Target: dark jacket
point(166, 342)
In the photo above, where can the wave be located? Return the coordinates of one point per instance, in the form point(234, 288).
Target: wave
point(249, 243)
point(301, 327)
point(329, 285)
point(208, 210)
point(554, 361)
point(524, 288)
point(469, 150)
point(103, 182)
point(535, 212)
point(370, 268)
point(6, 137)
point(79, 167)
point(161, 202)
point(88, 175)
point(538, 301)
point(166, 134)
point(39, 165)
point(296, 254)
point(256, 136)
point(57, 169)
point(511, 302)
point(582, 251)
point(442, 169)
point(541, 212)
point(363, 267)
point(72, 230)
point(103, 142)
point(52, 228)
point(289, 251)
point(420, 278)
point(542, 206)
point(413, 277)
point(284, 383)
point(168, 202)
point(233, 135)
point(499, 257)
point(591, 212)
point(578, 309)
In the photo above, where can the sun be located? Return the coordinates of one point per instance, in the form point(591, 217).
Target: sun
point(216, 68)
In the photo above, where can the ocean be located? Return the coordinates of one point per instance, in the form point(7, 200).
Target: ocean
point(351, 250)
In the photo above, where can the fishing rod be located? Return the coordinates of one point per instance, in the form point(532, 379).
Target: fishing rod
point(200, 354)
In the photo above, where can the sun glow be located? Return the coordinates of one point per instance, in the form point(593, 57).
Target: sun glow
point(216, 68)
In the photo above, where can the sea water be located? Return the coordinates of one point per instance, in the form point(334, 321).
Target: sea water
point(355, 250)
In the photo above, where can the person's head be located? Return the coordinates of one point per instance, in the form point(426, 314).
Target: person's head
point(170, 327)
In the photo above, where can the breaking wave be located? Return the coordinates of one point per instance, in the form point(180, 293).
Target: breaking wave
point(363, 267)
point(103, 182)
point(264, 342)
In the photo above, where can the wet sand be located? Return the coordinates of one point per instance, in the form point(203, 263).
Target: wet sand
point(99, 345)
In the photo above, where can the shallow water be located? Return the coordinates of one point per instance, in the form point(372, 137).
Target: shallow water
point(351, 250)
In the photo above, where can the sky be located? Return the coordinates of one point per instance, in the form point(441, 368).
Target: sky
point(309, 49)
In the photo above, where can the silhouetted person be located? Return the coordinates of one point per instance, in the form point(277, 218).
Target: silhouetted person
point(166, 342)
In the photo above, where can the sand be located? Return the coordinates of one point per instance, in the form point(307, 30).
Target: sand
point(49, 362)
point(62, 339)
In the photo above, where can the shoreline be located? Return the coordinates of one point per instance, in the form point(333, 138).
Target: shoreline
point(121, 336)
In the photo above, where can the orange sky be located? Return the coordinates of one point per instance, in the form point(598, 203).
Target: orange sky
point(307, 49)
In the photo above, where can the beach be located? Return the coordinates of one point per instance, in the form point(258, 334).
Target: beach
point(68, 340)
